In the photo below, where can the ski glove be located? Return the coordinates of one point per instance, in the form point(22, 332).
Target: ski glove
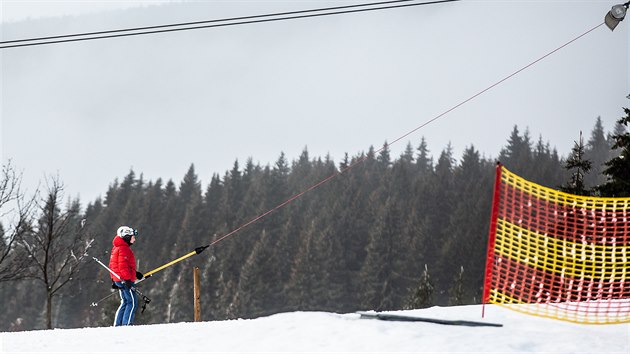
point(139, 275)
point(114, 286)
point(128, 284)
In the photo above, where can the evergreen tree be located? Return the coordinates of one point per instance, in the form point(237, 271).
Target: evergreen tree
point(579, 167)
point(422, 296)
point(424, 162)
point(517, 154)
point(213, 196)
point(190, 199)
point(598, 152)
point(384, 158)
point(235, 249)
point(618, 130)
point(278, 191)
point(305, 283)
point(348, 218)
point(618, 168)
point(408, 237)
point(547, 162)
point(457, 291)
point(439, 204)
point(211, 275)
point(234, 192)
point(151, 212)
point(465, 231)
point(256, 284)
point(445, 163)
point(129, 199)
point(379, 270)
point(407, 155)
point(356, 242)
point(190, 234)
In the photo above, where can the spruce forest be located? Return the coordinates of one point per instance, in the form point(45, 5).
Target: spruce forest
point(392, 232)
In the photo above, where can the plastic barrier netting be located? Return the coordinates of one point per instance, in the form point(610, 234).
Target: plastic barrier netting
point(558, 255)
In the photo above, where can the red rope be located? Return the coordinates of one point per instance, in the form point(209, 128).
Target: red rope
point(361, 160)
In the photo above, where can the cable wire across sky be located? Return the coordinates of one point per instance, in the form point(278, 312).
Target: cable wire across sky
point(281, 17)
point(234, 21)
point(398, 139)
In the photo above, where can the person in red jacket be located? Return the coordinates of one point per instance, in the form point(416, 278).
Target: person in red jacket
point(124, 274)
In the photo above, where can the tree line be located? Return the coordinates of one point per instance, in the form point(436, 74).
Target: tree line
point(387, 233)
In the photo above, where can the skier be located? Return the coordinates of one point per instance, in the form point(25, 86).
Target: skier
point(123, 263)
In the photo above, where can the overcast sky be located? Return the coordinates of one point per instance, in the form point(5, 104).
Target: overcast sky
point(20, 10)
point(91, 111)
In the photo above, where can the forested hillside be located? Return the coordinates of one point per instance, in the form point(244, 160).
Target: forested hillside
point(366, 239)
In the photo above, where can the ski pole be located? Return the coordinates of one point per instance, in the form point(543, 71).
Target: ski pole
point(95, 304)
point(145, 299)
point(114, 273)
point(106, 267)
point(196, 251)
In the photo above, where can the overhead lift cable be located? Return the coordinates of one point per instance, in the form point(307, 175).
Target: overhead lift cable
point(364, 158)
point(244, 20)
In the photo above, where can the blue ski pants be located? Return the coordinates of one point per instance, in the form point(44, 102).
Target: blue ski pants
point(128, 305)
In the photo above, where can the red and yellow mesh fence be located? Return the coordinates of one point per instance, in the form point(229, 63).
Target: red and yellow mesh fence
point(558, 255)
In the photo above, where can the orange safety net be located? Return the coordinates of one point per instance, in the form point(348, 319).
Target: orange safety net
point(558, 255)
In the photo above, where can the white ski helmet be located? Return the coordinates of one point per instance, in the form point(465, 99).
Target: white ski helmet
point(125, 232)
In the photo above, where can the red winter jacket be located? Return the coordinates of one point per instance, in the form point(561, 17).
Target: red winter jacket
point(122, 261)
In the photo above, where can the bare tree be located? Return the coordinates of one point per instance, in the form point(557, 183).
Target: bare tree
point(57, 244)
point(17, 210)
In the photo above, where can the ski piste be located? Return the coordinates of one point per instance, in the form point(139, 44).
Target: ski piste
point(393, 317)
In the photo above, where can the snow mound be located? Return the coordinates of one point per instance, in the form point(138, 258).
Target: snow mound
point(322, 332)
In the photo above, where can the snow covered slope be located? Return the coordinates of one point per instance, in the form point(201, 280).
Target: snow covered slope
point(300, 332)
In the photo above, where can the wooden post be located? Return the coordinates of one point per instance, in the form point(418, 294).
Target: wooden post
point(197, 296)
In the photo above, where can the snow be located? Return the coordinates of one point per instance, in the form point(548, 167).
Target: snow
point(322, 332)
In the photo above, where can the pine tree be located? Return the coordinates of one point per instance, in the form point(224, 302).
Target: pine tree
point(424, 162)
point(547, 161)
point(306, 276)
point(457, 291)
point(191, 204)
point(439, 203)
point(598, 152)
point(380, 272)
point(234, 192)
point(255, 285)
point(407, 155)
point(422, 296)
point(349, 217)
point(466, 226)
point(213, 195)
point(618, 168)
point(517, 154)
point(384, 159)
point(579, 167)
point(386, 217)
